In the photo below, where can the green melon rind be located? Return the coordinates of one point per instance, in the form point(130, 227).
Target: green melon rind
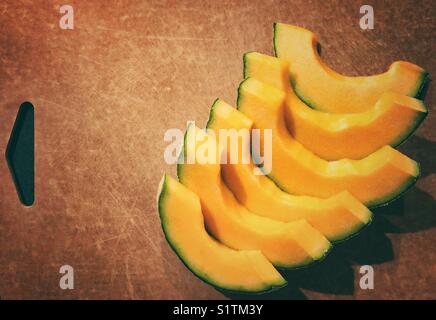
point(423, 79)
point(352, 232)
point(211, 114)
point(275, 46)
point(416, 92)
point(202, 275)
point(384, 200)
point(306, 263)
point(408, 132)
point(387, 199)
point(245, 64)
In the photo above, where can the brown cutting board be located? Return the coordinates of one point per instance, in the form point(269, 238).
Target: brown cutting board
point(105, 93)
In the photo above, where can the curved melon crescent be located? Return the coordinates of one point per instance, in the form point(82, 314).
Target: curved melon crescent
point(392, 119)
point(218, 265)
point(287, 245)
point(337, 217)
point(324, 89)
point(374, 180)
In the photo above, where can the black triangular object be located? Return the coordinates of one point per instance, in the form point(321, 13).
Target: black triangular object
point(20, 154)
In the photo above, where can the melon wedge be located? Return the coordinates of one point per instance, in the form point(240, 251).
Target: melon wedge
point(392, 119)
point(324, 89)
point(337, 217)
point(374, 180)
point(216, 264)
point(287, 245)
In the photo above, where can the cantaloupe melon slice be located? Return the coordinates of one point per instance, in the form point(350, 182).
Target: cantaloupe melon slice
point(324, 89)
point(335, 136)
point(286, 245)
point(337, 217)
point(374, 180)
point(216, 264)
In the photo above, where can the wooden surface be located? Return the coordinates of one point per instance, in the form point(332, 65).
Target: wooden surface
point(104, 94)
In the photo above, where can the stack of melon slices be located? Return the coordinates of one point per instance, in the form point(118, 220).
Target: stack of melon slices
point(333, 157)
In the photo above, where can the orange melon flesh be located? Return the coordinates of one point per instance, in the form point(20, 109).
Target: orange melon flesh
point(286, 245)
point(390, 121)
point(183, 225)
point(337, 217)
point(324, 89)
point(374, 180)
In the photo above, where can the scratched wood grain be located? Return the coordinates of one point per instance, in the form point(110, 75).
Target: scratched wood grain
point(106, 92)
